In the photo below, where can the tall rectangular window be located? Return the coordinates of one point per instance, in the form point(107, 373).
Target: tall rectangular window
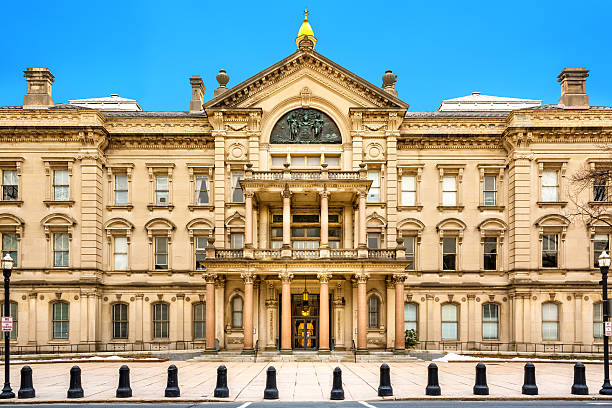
point(161, 190)
point(161, 320)
point(450, 321)
point(598, 321)
point(449, 253)
point(121, 189)
point(374, 191)
point(120, 321)
point(237, 193)
point(490, 254)
point(9, 247)
point(61, 250)
point(449, 191)
point(237, 240)
point(490, 321)
point(410, 245)
point(374, 240)
point(550, 186)
point(120, 253)
point(411, 316)
point(237, 312)
point(14, 315)
point(61, 185)
point(601, 242)
point(200, 252)
point(60, 320)
point(201, 193)
point(408, 194)
point(373, 311)
point(600, 190)
point(161, 252)
point(9, 185)
point(550, 251)
point(199, 321)
point(490, 191)
point(550, 321)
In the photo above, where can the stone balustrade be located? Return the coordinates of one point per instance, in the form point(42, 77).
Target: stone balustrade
point(336, 253)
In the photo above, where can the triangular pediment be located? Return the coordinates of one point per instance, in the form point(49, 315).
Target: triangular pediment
point(306, 62)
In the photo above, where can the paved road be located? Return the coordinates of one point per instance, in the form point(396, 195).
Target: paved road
point(351, 404)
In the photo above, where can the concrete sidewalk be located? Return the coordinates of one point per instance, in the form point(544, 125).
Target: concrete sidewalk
point(302, 381)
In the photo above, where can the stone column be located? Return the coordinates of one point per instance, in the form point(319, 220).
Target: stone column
point(348, 227)
point(578, 318)
point(324, 220)
point(248, 278)
point(272, 317)
point(138, 338)
point(362, 312)
point(518, 317)
point(362, 248)
point(248, 219)
point(471, 299)
point(210, 311)
point(180, 316)
point(324, 278)
point(286, 253)
point(430, 317)
point(32, 317)
point(398, 279)
point(286, 278)
point(390, 305)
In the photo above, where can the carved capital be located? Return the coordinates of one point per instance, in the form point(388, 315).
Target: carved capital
point(362, 277)
point(399, 277)
point(285, 276)
point(324, 277)
point(209, 277)
point(324, 194)
point(248, 277)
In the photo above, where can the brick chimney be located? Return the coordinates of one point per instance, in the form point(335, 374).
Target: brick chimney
point(38, 94)
point(573, 88)
point(197, 93)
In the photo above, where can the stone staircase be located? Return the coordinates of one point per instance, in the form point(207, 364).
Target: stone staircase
point(306, 356)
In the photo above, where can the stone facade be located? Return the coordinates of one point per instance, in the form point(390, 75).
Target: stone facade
point(166, 227)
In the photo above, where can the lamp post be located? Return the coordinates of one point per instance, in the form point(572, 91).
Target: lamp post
point(7, 267)
point(604, 266)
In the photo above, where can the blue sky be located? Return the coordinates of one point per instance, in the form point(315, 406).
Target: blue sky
point(147, 50)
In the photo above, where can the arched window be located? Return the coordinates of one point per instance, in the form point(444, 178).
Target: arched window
point(13, 310)
point(550, 321)
point(373, 312)
point(161, 320)
point(199, 321)
point(237, 312)
point(120, 321)
point(490, 321)
point(598, 320)
point(60, 320)
point(411, 319)
point(450, 321)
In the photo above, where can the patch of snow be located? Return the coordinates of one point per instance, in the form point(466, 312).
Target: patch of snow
point(463, 358)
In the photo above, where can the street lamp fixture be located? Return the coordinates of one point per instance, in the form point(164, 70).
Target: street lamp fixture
point(604, 266)
point(7, 268)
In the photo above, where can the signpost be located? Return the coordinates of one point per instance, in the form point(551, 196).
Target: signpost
point(7, 324)
point(608, 329)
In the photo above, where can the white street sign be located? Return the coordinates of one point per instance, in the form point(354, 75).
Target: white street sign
point(608, 329)
point(7, 324)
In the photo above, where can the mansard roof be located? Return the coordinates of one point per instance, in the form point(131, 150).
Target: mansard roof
point(302, 57)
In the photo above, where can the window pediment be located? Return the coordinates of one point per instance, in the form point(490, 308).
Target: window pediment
point(553, 220)
point(10, 222)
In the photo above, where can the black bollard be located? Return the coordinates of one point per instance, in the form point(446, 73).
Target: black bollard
point(75, 390)
point(26, 390)
point(172, 388)
point(385, 389)
point(433, 387)
point(337, 393)
point(529, 382)
point(481, 387)
point(124, 390)
point(221, 390)
point(271, 392)
point(579, 387)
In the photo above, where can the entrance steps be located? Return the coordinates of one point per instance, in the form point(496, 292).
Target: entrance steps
point(306, 356)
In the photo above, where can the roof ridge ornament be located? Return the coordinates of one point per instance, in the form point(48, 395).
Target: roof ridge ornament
point(305, 38)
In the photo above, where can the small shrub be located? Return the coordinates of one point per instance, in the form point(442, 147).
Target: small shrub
point(411, 338)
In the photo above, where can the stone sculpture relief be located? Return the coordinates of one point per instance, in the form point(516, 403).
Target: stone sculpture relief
point(305, 126)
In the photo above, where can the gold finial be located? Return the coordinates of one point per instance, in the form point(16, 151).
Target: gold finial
point(306, 32)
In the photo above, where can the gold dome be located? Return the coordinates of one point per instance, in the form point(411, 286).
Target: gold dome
point(305, 31)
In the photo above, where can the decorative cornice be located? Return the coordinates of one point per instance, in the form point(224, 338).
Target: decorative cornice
point(450, 142)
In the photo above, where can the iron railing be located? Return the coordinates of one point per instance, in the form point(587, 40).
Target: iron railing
point(499, 347)
point(91, 347)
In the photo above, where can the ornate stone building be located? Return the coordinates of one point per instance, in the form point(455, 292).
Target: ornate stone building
point(211, 227)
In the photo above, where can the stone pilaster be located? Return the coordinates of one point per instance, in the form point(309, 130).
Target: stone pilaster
point(91, 239)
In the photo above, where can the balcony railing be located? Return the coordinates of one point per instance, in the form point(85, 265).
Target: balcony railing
point(317, 253)
point(274, 175)
point(267, 253)
point(381, 253)
point(343, 253)
point(305, 253)
point(229, 253)
point(344, 175)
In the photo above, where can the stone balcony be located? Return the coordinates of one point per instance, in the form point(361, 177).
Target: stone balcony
point(322, 174)
point(308, 254)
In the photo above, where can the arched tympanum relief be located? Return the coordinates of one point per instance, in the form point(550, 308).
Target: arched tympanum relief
point(305, 126)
